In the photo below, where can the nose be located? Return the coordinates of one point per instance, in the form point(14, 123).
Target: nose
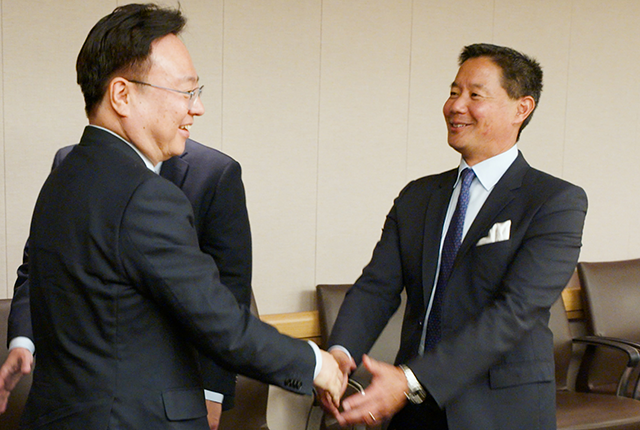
point(198, 107)
point(456, 104)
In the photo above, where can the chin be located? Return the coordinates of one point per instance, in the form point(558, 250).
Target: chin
point(177, 148)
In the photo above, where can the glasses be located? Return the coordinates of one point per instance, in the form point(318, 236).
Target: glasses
point(193, 94)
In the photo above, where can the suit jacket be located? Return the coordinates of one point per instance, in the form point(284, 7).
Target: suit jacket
point(493, 367)
point(124, 295)
point(212, 182)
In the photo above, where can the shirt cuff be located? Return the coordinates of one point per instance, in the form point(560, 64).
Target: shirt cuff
point(213, 396)
point(22, 342)
point(316, 351)
point(340, 348)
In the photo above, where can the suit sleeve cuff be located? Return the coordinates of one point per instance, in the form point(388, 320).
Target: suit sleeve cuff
point(22, 342)
point(213, 396)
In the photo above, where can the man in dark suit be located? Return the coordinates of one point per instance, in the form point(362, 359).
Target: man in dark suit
point(121, 293)
point(212, 182)
point(482, 251)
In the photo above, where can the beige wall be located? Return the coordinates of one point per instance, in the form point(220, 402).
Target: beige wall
point(331, 106)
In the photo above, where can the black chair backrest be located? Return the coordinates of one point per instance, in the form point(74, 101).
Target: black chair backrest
point(330, 299)
point(612, 292)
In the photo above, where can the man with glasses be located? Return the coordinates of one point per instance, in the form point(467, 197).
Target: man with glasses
point(124, 295)
point(192, 95)
point(212, 182)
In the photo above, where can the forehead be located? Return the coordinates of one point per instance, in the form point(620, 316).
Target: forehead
point(480, 72)
point(171, 60)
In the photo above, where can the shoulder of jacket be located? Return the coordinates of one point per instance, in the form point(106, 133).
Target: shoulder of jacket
point(196, 153)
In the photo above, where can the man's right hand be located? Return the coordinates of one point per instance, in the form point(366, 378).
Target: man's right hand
point(331, 380)
point(18, 363)
point(346, 365)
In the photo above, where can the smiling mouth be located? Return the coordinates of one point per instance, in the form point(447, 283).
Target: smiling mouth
point(185, 127)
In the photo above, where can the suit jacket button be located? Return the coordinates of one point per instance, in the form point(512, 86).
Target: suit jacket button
point(293, 383)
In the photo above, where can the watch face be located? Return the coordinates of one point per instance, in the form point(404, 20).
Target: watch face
point(417, 397)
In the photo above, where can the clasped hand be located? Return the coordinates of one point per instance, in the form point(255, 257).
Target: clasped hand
point(380, 400)
point(18, 363)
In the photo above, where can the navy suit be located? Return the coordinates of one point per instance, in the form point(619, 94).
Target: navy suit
point(121, 296)
point(212, 182)
point(493, 368)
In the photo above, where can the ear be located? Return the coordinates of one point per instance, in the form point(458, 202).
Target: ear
point(120, 96)
point(526, 105)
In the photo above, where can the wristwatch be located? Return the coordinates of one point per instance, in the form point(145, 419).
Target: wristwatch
point(416, 394)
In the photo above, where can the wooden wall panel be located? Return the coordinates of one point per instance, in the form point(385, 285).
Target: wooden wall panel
point(331, 107)
point(440, 31)
point(44, 109)
point(4, 278)
point(542, 30)
point(270, 124)
point(204, 39)
point(601, 149)
point(363, 128)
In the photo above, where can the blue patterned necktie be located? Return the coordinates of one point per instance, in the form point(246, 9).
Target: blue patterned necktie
point(450, 247)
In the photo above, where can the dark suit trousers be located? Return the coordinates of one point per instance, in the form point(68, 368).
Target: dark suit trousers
point(427, 416)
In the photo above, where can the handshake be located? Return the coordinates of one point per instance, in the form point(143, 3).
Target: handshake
point(384, 396)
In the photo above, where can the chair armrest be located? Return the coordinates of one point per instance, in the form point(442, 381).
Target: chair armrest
point(633, 358)
point(636, 345)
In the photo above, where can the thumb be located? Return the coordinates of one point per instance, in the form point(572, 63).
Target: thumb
point(370, 364)
point(26, 365)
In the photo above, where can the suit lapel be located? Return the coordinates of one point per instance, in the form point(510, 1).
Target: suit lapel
point(434, 219)
point(175, 169)
point(502, 194)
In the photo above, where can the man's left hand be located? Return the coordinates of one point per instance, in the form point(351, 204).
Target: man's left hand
point(382, 398)
point(214, 410)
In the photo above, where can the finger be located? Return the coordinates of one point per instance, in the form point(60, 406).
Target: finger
point(4, 397)
point(27, 366)
point(353, 365)
point(337, 394)
point(327, 404)
point(358, 416)
point(356, 401)
point(370, 364)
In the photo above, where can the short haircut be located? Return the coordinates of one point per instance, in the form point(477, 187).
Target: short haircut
point(521, 74)
point(120, 43)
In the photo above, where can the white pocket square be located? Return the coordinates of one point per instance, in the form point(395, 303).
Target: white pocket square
point(499, 232)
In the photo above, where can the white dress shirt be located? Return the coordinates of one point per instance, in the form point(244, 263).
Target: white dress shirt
point(488, 173)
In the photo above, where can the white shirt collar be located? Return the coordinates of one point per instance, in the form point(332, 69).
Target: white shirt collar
point(489, 172)
point(146, 161)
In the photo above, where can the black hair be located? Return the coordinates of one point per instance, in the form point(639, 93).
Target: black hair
point(521, 75)
point(121, 43)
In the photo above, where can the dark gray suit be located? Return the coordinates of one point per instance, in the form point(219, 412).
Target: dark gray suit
point(212, 182)
point(493, 368)
point(123, 293)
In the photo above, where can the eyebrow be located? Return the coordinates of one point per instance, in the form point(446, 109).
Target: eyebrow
point(474, 86)
point(190, 78)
